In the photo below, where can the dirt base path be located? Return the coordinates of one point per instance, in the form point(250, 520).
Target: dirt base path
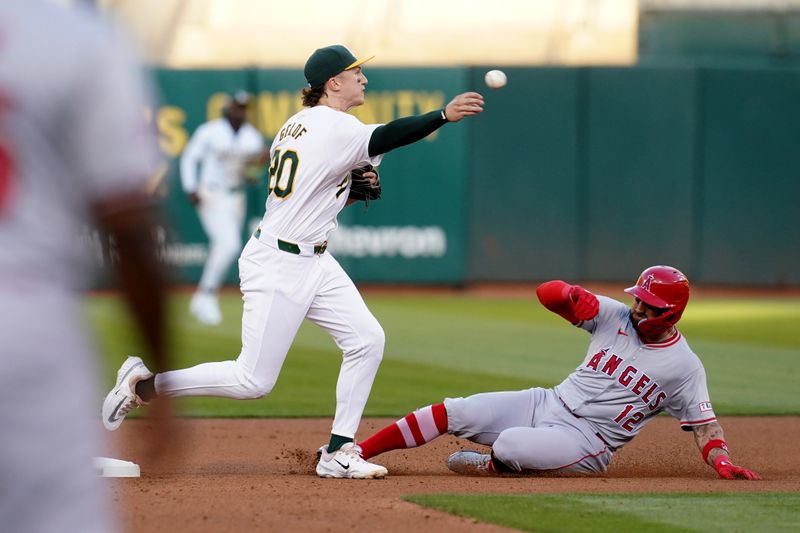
point(258, 475)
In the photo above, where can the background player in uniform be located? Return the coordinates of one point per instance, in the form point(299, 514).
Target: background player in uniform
point(73, 149)
point(637, 365)
point(285, 273)
point(223, 148)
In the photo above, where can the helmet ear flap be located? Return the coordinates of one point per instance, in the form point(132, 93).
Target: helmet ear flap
point(651, 327)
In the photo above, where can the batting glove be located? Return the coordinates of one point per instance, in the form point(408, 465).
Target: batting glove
point(728, 470)
point(584, 304)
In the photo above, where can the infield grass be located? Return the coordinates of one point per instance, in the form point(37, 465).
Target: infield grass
point(453, 345)
point(612, 513)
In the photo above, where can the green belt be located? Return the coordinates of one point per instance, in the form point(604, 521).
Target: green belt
point(292, 248)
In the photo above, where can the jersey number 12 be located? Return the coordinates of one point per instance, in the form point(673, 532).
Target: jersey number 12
point(631, 421)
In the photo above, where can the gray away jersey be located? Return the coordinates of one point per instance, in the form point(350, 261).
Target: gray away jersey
point(623, 383)
point(72, 131)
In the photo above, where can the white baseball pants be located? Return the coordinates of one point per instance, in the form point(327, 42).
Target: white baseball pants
point(528, 430)
point(279, 290)
point(222, 215)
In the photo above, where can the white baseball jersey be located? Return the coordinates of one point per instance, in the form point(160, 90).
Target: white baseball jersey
point(221, 153)
point(623, 383)
point(71, 133)
point(311, 157)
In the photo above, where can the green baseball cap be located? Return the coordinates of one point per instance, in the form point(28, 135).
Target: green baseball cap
point(327, 62)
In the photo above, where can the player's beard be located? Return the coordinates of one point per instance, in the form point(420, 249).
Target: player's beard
point(635, 319)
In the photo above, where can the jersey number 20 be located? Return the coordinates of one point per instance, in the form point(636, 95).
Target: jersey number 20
point(282, 171)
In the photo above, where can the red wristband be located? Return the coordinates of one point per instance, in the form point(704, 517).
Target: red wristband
point(716, 443)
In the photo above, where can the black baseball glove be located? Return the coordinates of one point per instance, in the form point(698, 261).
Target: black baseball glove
point(365, 184)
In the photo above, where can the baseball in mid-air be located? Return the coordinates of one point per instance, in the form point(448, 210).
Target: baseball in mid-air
point(495, 79)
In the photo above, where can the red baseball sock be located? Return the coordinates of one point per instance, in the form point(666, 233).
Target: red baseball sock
point(417, 428)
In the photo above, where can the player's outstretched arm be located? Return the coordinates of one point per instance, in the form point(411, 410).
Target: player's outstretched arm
point(464, 105)
point(131, 221)
point(407, 130)
point(711, 441)
point(572, 302)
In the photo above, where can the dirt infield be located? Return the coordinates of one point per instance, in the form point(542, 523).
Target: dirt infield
point(257, 475)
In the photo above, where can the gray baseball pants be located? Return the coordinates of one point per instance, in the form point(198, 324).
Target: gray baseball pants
point(529, 430)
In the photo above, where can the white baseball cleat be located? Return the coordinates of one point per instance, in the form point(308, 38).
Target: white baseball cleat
point(122, 398)
point(205, 309)
point(346, 462)
point(471, 463)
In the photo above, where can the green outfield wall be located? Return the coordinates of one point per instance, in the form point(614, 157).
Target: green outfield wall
point(754, 35)
point(575, 173)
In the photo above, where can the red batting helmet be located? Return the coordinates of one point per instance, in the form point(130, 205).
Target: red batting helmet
point(663, 287)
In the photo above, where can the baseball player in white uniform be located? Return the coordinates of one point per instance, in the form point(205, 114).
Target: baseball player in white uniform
point(73, 149)
point(286, 274)
point(222, 148)
point(637, 365)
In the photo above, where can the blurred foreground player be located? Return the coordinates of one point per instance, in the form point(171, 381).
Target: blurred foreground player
point(638, 364)
point(73, 151)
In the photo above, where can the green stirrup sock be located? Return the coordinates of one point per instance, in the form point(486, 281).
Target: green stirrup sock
point(337, 441)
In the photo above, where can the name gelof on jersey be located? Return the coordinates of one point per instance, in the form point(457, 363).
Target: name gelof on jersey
point(292, 129)
point(627, 378)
